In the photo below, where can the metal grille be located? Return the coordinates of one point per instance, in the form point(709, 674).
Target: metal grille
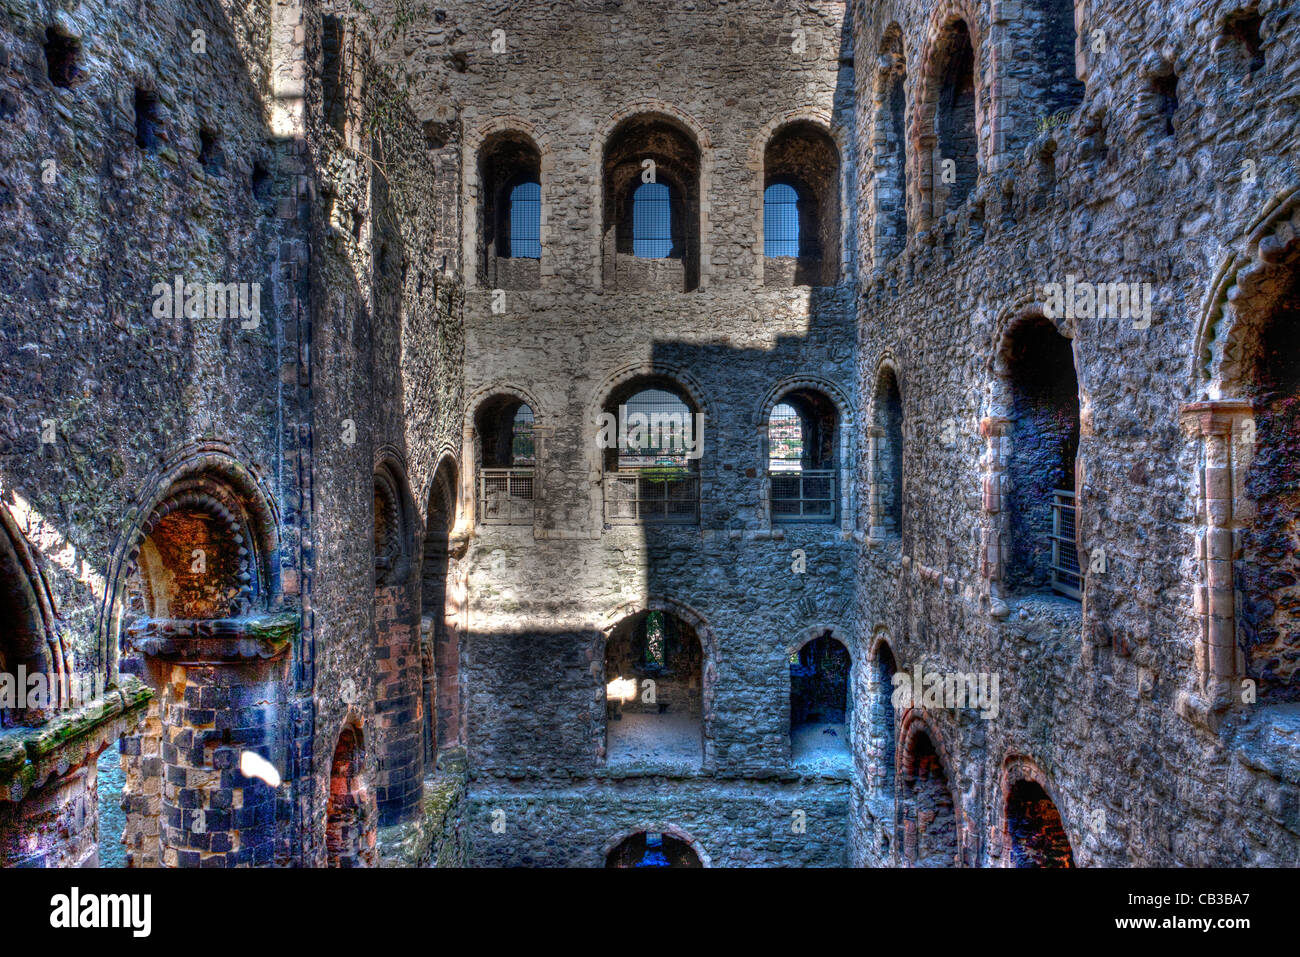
point(526, 221)
point(506, 496)
point(652, 495)
point(803, 496)
point(652, 221)
point(1067, 577)
point(666, 448)
point(780, 221)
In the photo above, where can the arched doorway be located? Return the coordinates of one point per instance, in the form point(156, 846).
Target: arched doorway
point(820, 704)
point(653, 849)
point(1035, 835)
point(654, 691)
point(349, 829)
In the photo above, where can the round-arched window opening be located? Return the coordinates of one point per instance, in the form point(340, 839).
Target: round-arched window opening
point(652, 441)
point(802, 461)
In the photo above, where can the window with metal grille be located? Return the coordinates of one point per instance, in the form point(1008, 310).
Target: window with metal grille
point(780, 221)
point(652, 221)
point(526, 220)
point(662, 445)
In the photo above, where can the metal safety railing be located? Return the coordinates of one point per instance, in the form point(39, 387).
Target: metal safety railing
point(657, 494)
point(1067, 576)
point(506, 496)
point(804, 495)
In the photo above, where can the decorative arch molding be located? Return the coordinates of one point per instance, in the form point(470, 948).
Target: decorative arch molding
point(880, 639)
point(756, 162)
point(446, 474)
point(910, 726)
point(482, 394)
point(678, 374)
point(362, 794)
point(1024, 306)
point(38, 637)
point(922, 133)
point(391, 481)
point(1216, 370)
point(839, 632)
point(913, 722)
point(697, 621)
point(805, 381)
point(184, 471)
point(886, 363)
point(472, 187)
point(649, 108)
point(672, 830)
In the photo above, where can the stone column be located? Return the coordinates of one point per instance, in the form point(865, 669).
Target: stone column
point(875, 508)
point(994, 429)
point(1220, 425)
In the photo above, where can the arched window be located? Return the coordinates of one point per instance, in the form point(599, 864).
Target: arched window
point(954, 163)
point(1267, 566)
point(652, 221)
point(1035, 835)
point(780, 220)
point(440, 639)
point(890, 149)
point(510, 220)
point(801, 210)
point(507, 461)
point(651, 232)
point(1044, 434)
point(802, 457)
point(652, 441)
point(886, 506)
point(820, 704)
point(883, 722)
point(525, 219)
point(654, 691)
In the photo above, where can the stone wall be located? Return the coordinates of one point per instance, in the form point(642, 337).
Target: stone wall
point(572, 80)
point(149, 144)
point(1106, 702)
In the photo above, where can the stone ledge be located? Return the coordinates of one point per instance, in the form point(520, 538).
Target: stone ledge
point(434, 839)
point(215, 639)
point(31, 756)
